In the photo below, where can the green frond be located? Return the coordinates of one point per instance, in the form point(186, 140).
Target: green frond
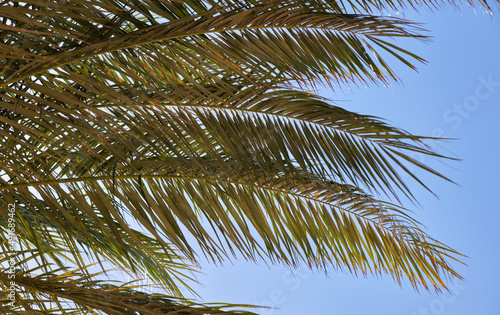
point(305, 221)
point(293, 43)
point(66, 291)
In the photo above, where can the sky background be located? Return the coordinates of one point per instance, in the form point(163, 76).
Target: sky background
point(456, 95)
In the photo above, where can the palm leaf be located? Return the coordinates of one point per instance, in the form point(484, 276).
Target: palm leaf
point(48, 290)
point(144, 134)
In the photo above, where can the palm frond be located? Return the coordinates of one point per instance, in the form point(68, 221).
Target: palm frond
point(305, 220)
point(143, 133)
point(299, 43)
point(66, 291)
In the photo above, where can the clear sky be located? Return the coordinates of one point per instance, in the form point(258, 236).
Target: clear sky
point(456, 95)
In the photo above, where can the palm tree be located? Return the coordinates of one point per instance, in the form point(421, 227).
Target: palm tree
point(143, 134)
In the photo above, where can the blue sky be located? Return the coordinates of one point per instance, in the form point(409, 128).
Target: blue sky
point(456, 95)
